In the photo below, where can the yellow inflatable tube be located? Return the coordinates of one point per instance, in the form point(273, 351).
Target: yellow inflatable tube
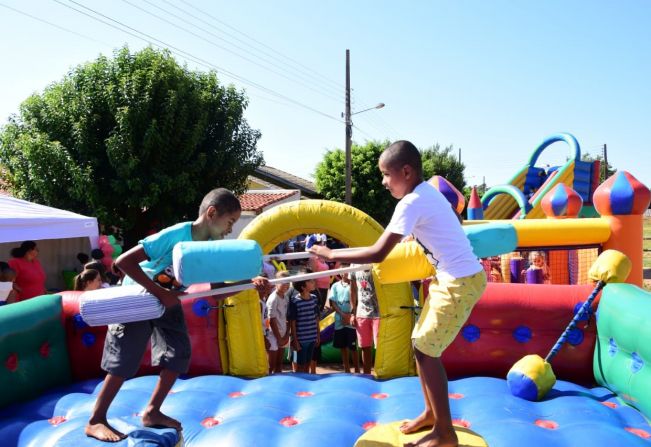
point(244, 343)
point(561, 232)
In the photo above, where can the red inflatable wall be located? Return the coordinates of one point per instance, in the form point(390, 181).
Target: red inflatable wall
point(513, 320)
point(85, 343)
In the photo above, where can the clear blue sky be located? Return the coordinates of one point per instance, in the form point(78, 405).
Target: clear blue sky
point(493, 78)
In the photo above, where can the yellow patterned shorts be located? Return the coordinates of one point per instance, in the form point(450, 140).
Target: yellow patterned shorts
point(446, 310)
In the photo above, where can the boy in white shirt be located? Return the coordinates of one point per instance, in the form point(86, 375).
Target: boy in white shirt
point(278, 333)
point(424, 213)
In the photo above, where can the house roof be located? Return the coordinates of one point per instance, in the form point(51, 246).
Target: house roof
point(258, 201)
point(287, 180)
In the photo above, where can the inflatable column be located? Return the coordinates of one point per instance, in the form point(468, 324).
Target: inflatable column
point(561, 202)
point(475, 209)
point(622, 200)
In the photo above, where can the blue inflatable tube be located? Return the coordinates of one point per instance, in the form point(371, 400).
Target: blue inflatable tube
point(492, 239)
point(216, 261)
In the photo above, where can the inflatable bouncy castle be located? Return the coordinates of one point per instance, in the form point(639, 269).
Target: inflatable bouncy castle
point(50, 357)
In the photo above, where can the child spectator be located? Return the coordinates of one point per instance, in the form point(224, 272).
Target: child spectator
point(345, 337)
point(303, 317)
point(101, 269)
point(30, 276)
point(317, 264)
point(170, 344)
point(538, 271)
point(425, 213)
point(83, 259)
point(88, 280)
point(366, 315)
point(7, 278)
point(278, 333)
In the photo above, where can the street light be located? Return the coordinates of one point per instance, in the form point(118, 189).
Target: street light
point(349, 143)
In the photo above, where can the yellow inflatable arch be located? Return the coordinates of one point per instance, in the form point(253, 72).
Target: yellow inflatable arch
point(243, 352)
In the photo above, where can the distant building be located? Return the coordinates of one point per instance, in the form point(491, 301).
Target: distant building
point(272, 178)
point(270, 187)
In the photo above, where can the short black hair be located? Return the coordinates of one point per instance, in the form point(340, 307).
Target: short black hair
point(222, 199)
point(20, 252)
point(300, 285)
point(402, 153)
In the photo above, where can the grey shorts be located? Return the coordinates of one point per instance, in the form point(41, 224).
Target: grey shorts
point(125, 344)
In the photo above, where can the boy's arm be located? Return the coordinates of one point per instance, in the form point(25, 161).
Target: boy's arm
point(292, 329)
point(129, 263)
point(363, 255)
point(273, 324)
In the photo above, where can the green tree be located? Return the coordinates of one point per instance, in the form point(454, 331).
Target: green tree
point(135, 140)
point(437, 161)
point(368, 194)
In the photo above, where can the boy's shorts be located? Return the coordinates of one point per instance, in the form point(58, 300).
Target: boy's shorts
point(346, 337)
point(304, 356)
point(367, 329)
point(446, 310)
point(273, 343)
point(125, 344)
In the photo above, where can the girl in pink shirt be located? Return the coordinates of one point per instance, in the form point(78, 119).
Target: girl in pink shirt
point(30, 276)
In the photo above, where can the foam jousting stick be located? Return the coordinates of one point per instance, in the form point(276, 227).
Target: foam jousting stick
point(132, 303)
point(532, 377)
point(221, 261)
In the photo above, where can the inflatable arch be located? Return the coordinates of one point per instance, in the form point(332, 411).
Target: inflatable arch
point(353, 227)
point(575, 149)
point(512, 191)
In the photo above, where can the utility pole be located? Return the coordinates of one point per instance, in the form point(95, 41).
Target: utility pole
point(459, 155)
point(349, 133)
point(605, 162)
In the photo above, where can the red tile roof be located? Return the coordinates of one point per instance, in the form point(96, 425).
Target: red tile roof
point(258, 201)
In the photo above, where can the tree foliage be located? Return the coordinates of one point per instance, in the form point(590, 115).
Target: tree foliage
point(368, 194)
point(135, 140)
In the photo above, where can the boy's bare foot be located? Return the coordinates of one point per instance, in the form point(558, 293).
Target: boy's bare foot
point(155, 418)
point(103, 431)
point(423, 420)
point(432, 439)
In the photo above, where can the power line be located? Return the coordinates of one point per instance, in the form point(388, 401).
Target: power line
point(55, 25)
point(296, 68)
point(337, 84)
point(175, 50)
point(294, 79)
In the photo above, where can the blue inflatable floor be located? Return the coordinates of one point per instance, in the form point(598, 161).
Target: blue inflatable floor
point(333, 410)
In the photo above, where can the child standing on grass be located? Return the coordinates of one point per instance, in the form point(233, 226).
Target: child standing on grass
point(303, 317)
point(278, 334)
point(170, 344)
point(345, 337)
point(425, 213)
point(366, 315)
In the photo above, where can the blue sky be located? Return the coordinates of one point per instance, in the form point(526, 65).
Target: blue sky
point(493, 78)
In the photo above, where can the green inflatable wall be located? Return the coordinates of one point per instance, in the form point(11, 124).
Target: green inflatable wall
point(33, 352)
point(622, 360)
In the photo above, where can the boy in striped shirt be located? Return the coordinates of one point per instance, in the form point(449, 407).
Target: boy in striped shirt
point(303, 317)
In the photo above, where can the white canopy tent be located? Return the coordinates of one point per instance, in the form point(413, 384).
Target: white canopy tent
point(60, 235)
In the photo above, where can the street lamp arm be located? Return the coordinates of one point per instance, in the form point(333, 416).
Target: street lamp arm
point(378, 106)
